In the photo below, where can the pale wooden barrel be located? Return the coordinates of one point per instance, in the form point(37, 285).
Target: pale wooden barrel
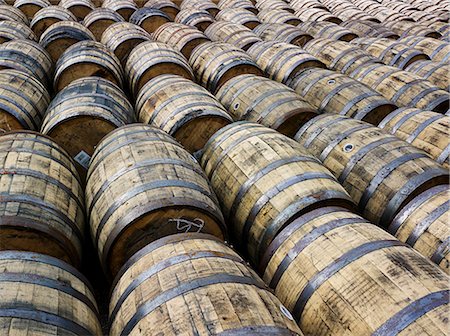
point(79, 8)
point(406, 28)
point(341, 275)
point(274, 4)
point(278, 16)
point(48, 16)
point(149, 18)
point(246, 4)
point(124, 8)
point(214, 63)
point(439, 51)
point(23, 100)
point(239, 16)
point(441, 27)
point(390, 52)
point(339, 55)
point(199, 18)
point(181, 108)
point(123, 37)
point(29, 57)
point(86, 59)
point(332, 92)
point(264, 180)
point(436, 73)
point(282, 32)
point(233, 33)
point(11, 13)
point(31, 7)
point(354, 13)
point(403, 88)
point(41, 295)
point(381, 172)
point(180, 36)
point(156, 291)
point(63, 34)
point(142, 185)
point(300, 4)
point(426, 130)
point(11, 30)
point(167, 6)
point(423, 224)
point(324, 29)
point(42, 201)
point(282, 61)
point(99, 20)
point(206, 5)
point(84, 112)
point(261, 100)
point(151, 59)
point(316, 14)
point(370, 29)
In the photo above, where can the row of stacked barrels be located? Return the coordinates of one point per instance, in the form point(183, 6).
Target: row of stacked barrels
point(312, 135)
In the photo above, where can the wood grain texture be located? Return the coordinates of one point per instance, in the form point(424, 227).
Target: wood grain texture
point(12, 30)
point(79, 8)
point(282, 32)
point(48, 16)
point(240, 16)
point(407, 28)
point(316, 14)
point(233, 33)
point(100, 19)
point(324, 29)
point(370, 29)
point(207, 5)
point(149, 18)
point(435, 72)
point(246, 4)
point(278, 16)
point(31, 7)
point(167, 6)
point(11, 13)
point(438, 51)
point(124, 8)
point(196, 17)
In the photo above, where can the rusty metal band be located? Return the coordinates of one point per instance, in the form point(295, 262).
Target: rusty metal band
point(40, 316)
point(331, 94)
point(443, 157)
point(308, 239)
point(258, 331)
point(425, 223)
point(435, 102)
point(164, 297)
point(422, 127)
point(407, 86)
point(383, 173)
point(340, 263)
point(412, 206)
point(411, 313)
point(333, 120)
point(346, 134)
point(32, 124)
point(441, 252)
point(165, 264)
point(413, 184)
point(404, 119)
point(51, 208)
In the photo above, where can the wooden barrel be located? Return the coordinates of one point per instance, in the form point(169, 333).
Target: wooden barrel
point(282, 32)
point(246, 4)
point(403, 88)
point(27, 56)
point(406, 28)
point(167, 6)
point(338, 55)
point(198, 18)
point(61, 35)
point(324, 29)
point(41, 295)
point(426, 130)
point(181, 37)
point(42, 201)
point(316, 14)
point(48, 16)
point(10, 13)
point(190, 266)
point(234, 33)
point(23, 100)
point(122, 37)
point(274, 4)
point(282, 61)
point(435, 72)
point(99, 20)
point(240, 16)
point(83, 113)
point(11, 30)
point(206, 5)
point(332, 92)
point(390, 52)
point(264, 101)
point(354, 13)
point(79, 8)
point(369, 29)
point(278, 16)
point(214, 63)
point(300, 4)
point(149, 18)
point(31, 7)
point(423, 224)
point(181, 108)
point(438, 51)
point(442, 27)
point(381, 172)
point(142, 185)
point(341, 275)
point(85, 59)
point(124, 8)
point(151, 59)
point(264, 180)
